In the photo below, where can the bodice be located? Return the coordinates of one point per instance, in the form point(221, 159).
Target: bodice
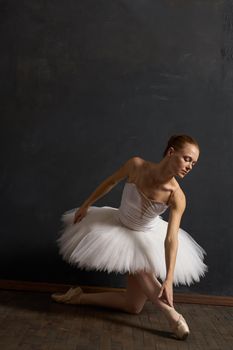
point(138, 212)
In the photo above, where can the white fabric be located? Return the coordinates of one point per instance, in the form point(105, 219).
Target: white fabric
point(128, 239)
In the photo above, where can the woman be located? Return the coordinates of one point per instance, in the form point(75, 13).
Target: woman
point(134, 239)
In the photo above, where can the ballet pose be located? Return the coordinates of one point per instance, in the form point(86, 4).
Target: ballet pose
point(134, 239)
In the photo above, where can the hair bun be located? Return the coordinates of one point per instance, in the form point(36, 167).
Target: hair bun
point(177, 141)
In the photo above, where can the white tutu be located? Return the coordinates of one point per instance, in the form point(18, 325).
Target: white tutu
point(125, 239)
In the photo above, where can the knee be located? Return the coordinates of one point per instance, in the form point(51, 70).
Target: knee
point(133, 309)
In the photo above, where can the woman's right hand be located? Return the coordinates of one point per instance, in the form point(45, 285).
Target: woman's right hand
point(79, 214)
point(166, 293)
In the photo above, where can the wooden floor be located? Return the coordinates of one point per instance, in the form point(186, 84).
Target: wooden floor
point(31, 320)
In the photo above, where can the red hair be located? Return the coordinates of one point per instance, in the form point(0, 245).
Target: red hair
point(178, 142)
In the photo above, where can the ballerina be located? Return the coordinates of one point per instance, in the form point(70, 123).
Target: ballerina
point(134, 239)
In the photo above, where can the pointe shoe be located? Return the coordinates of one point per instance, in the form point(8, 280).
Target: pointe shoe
point(71, 296)
point(181, 329)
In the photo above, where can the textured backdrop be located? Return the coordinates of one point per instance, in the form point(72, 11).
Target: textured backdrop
point(87, 84)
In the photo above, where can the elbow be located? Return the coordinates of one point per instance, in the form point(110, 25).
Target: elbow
point(171, 241)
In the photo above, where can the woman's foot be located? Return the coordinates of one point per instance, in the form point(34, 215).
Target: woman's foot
point(177, 323)
point(72, 296)
point(180, 328)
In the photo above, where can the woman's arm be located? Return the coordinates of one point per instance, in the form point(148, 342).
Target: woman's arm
point(171, 241)
point(111, 181)
point(125, 170)
point(177, 208)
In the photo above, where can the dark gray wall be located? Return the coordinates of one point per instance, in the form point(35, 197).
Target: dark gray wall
point(87, 84)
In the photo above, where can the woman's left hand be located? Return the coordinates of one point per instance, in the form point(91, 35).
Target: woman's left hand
point(166, 293)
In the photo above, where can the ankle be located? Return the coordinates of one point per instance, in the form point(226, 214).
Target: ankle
point(172, 316)
point(169, 312)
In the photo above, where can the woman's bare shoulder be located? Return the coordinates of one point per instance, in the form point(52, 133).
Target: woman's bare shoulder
point(134, 165)
point(135, 162)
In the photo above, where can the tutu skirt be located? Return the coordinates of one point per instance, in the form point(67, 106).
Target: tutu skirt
point(101, 242)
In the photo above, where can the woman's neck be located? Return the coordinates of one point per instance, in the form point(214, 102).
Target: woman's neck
point(160, 172)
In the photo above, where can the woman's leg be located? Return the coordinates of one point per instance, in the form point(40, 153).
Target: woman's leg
point(151, 288)
point(140, 287)
point(132, 300)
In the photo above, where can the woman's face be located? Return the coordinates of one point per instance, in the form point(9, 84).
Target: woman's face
point(183, 160)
